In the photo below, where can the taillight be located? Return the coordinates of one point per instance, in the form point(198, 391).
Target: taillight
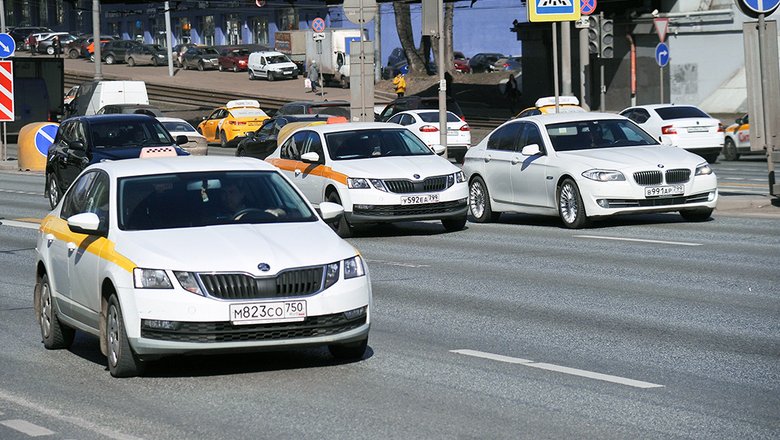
point(721, 128)
point(668, 129)
point(506, 65)
point(428, 129)
point(465, 127)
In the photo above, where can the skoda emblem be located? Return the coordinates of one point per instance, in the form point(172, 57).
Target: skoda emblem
point(264, 267)
point(660, 165)
point(416, 176)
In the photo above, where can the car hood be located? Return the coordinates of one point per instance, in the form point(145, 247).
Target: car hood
point(280, 66)
point(404, 167)
point(634, 157)
point(235, 248)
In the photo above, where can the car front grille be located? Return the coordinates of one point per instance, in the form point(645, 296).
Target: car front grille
point(675, 176)
point(647, 177)
point(430, 184)
point(206, 332)
point(680, 175)
point(661, 201)
point(409, 210)
point(296, 282)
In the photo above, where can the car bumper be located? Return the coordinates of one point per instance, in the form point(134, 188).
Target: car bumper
point(374, 206)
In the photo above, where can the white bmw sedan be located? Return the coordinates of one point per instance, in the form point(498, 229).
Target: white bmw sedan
point(203, 255)
point(584, 165)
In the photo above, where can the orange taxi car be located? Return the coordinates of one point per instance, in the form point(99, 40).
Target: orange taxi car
point(542, 106)
point(227, 125)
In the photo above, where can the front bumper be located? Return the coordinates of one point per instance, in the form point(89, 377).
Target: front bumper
point(374, 206)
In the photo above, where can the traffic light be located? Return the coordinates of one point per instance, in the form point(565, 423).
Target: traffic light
point(594, 38)
point(607, 35)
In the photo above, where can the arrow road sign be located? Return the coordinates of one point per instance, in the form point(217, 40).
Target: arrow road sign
point(553, 10)
point(44, 137)
point(7, 45)
point(318, 25)
point(662, 54)
point(587, 7)
point(762, 6)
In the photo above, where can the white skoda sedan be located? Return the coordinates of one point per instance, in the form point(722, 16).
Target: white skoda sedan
point(378, 172)
point(584, 165)
point(203, 255)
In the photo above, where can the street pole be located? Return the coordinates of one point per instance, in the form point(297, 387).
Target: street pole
point(584, 65)
point(555, 63)
point(96, 38)
point(2, 16)
point(602, 87)
point(661, 81)
point(566, 58)
point(765, 96)
point(3, 152)
point(169, 37)
point(442, 67)
point(377, 43)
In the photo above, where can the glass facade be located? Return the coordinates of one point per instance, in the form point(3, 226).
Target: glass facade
point(208, 30)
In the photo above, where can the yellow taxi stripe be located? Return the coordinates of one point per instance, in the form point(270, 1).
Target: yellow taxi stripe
point(99, 246)
point(316, 170)
point(29, 220)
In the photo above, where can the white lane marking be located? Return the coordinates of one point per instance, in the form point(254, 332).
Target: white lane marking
point(640, 240)
point(105, 431)
point(558, 368)
point(733, 178)
point(397, 263)
point(26, 427)
point(27, 193)
point(16, 224)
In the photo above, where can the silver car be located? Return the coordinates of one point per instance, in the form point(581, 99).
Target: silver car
point(148, 54)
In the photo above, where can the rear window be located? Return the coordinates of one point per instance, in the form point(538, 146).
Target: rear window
point(434, 117)
point(331, 111)
point(680, 112)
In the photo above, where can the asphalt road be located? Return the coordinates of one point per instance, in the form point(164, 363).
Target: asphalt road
point(641, 327)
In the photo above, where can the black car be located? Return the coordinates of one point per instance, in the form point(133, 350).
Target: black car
point(84, 140)
point(21, 33)
point(115, 51)
point(201, 58)
point(262, 142)
point(414, 102)
point(483, 62)
point(332, 108)
point(128, 109)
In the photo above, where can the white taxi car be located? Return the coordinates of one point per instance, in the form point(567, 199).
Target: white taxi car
point(378, 172)
point(584, 165)
point(206, 255)
point(425, 124)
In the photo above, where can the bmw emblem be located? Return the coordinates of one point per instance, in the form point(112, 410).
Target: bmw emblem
point(264, 267)
point(660, 165)
point(416, 176)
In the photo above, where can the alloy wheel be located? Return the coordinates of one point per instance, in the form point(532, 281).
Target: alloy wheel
point(113, 335)
point(477, 200)
point(46, 311)
point(567, 202)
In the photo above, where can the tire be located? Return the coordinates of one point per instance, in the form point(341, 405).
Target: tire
point(235, 68)
point(54, 190)
point(454, 224)
point(696, 215)
point(570, 207)
point(344, 82)
point(122, 361)
point(155, 63)
point(50, 50)
point(711, 158)
point(110, 59)
point(251, 75)
point(55, 335)
point(201, 67)
point(240, 151)
point(221, 69)
point(131, 62)
point(342, 226)
point(730, 150)
point(73, 54)
point(270, 76)
point(353, 351)
point(479, 202)
point(185, 66)
point(223, 139)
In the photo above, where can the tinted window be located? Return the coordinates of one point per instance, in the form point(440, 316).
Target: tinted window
point(174, 126)
point(331, 110)
point(434, 117)
point(128, 133)
point(679, 112)
point(76, 200)
point(504, 138)
point(364, 144)
point(587, 135)
point(97, 199)
point(532, 135)
point(640, 116)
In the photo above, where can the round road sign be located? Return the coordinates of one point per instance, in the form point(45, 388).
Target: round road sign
point(318, 25)
point(587, 7)
point(44, 137)
point(7, 45)
point(662, 54)
point(754, 8)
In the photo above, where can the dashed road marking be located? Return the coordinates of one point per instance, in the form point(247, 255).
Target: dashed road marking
point(558, 368)
point(26, 427)
point(398, 263)
point(639, 240)
point(29, 193)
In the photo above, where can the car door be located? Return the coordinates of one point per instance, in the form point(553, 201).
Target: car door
point(312, 178)
point(499, 153)
point(76, 156)
point(211, 124)
point(742, 133)
point(263, 67)
point(529, 174)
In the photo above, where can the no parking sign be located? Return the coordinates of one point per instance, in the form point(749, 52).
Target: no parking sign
point(44, 137)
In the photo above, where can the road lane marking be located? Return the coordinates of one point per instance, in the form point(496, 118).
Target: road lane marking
point(26, 427)
point(18, 224)
point(558, 368)
point(29, 193)
point(397, 263)
point(639, 240)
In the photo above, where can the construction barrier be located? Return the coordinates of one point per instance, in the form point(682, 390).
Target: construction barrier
point(34, 142)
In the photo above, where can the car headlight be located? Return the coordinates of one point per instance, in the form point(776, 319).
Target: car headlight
point(188, 282)
point(151, 279)
point(357, 183)
point(379, 184)
point(331, 274)
point(460, 177)
point(703, 169)
point(604, 175)
point(353, 267)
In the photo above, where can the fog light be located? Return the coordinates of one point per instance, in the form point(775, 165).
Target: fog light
point(604, 203)
point(157, 324)
point(356, 313)
point(363, 207)
point(711, 196)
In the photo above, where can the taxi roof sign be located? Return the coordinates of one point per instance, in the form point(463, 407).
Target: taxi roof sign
point(243, 103)
point(553, 10)
point(562, 100)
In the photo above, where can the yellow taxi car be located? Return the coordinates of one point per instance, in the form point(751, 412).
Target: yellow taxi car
point(738, 139)
point(227, 125)
point(542, 106)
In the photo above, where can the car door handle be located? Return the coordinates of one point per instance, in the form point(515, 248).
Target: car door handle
point(71, 246)
point(297, 172)
point(515, 160)
point(488, 158)
point(50, 238)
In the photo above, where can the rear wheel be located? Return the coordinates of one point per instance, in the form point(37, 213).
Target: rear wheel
point(131, 62)
point(352, 352)
point(50, 50)
point(235, 68)
point(223, 139)
point(479, 202)
point(341, 226)
point(55, 335)
point(696, 215)
point(730, 150)
point(201, 67)
point(122, 360)
point(344, 82)
point(570, 206)
point(54, 190)
point(221, 69)
point(110, 59)
point(73, 54)
point(155, 63)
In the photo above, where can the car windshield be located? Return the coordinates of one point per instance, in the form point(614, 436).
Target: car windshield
point(589, 135)
point(434, 117)
point(277, 59)
point(210, 51)
point(177, 126)
point(125, 133)
point(331, 111)
point(241, 52)
point(680, 112)
point(187, 200)
point(365, 144)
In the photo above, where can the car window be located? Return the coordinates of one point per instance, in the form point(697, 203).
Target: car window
point(680, 112)
point(174, 126)
point(606, 133)
point(504, 138)
point(365, 144)
point(266, 128)
point(396, 119)
point(312, 144)
point(97, 199)
point(640, 116)
point(532, 135)
point(291, 149)
point(129, 133)
point(76, 199)
point(388, 111)
point(79, 133)
point(434, 117)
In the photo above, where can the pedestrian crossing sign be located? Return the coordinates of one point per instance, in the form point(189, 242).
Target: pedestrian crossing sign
point(553, 10)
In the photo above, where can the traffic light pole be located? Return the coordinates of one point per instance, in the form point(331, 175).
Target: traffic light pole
point(602, 86)
point(584, 66)
point(555, 63)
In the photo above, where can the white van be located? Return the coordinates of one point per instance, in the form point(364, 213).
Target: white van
point(271, 66)
point(94, 95)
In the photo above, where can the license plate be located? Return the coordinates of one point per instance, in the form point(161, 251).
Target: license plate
point(452, 132)
point(267, 312)
point(419, 200)
point(655, 191)
point(697, 129)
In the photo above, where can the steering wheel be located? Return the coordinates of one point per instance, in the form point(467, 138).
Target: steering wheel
point(240, 214)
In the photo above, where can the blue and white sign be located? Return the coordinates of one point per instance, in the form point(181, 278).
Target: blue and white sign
point(349, 40)
point(7, 45)
point(553, 10)
point(44, 137)
point(318, 25)
point(761, 6)
point(662, 54)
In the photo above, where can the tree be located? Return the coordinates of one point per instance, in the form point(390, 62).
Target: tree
point(403, 24)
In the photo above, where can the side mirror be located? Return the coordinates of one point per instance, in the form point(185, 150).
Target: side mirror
point(181, 139)
point(330, 211)
point(203, 118)
point(84, 223)
point(310, 157)
point(77, 145)
point(438, 149)
point(531, 150)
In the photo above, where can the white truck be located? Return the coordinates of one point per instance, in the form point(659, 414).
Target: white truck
point(333, 60)
point(292, 44)
point(94, 95)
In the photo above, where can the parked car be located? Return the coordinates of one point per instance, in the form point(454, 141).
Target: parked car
point(271, 66)
point(73, 48)
point(483, 62)
point(147, 54)
point(378, 172)
point(581, 166)
point(684, 126)
point(151, 291)
point(127, 109)
point(85, 140)
point(227, 125)
point(88, 46)
point(234, 60)
point(115, 51)
point(262, 142)
point(196, 144)
point(201, 58)
point(461, 63)
point(737, 140)
point(46, 43)
point(414, 102)
point(21, 33)
point(178, 53)
point(425, 124)
point(546, 105)
point(511, 63)
point(332, 108)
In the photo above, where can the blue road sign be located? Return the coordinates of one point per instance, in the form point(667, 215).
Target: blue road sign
point(349, 40)
point(762, 6)
point(662, 54)
point(587, 7)
point(44, 137)
point(7, 45)
point(553, 10)
point(318, 25)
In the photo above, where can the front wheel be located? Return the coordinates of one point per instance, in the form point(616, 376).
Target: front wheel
point(110, 59)
point(730, 150)
point(223, 139)
point(696, 215)
point(479, 202)
point(353, 351)
point(221, 69)
point(341, 226)
point(55, 335)
point(131, 62)
point(271, 76)
point(50, 50)
point(73, 54)
point(251, 75)
point(344, 82)
point(570, 207)
point(454, 224)
point(201, 67)
point(122, 360)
